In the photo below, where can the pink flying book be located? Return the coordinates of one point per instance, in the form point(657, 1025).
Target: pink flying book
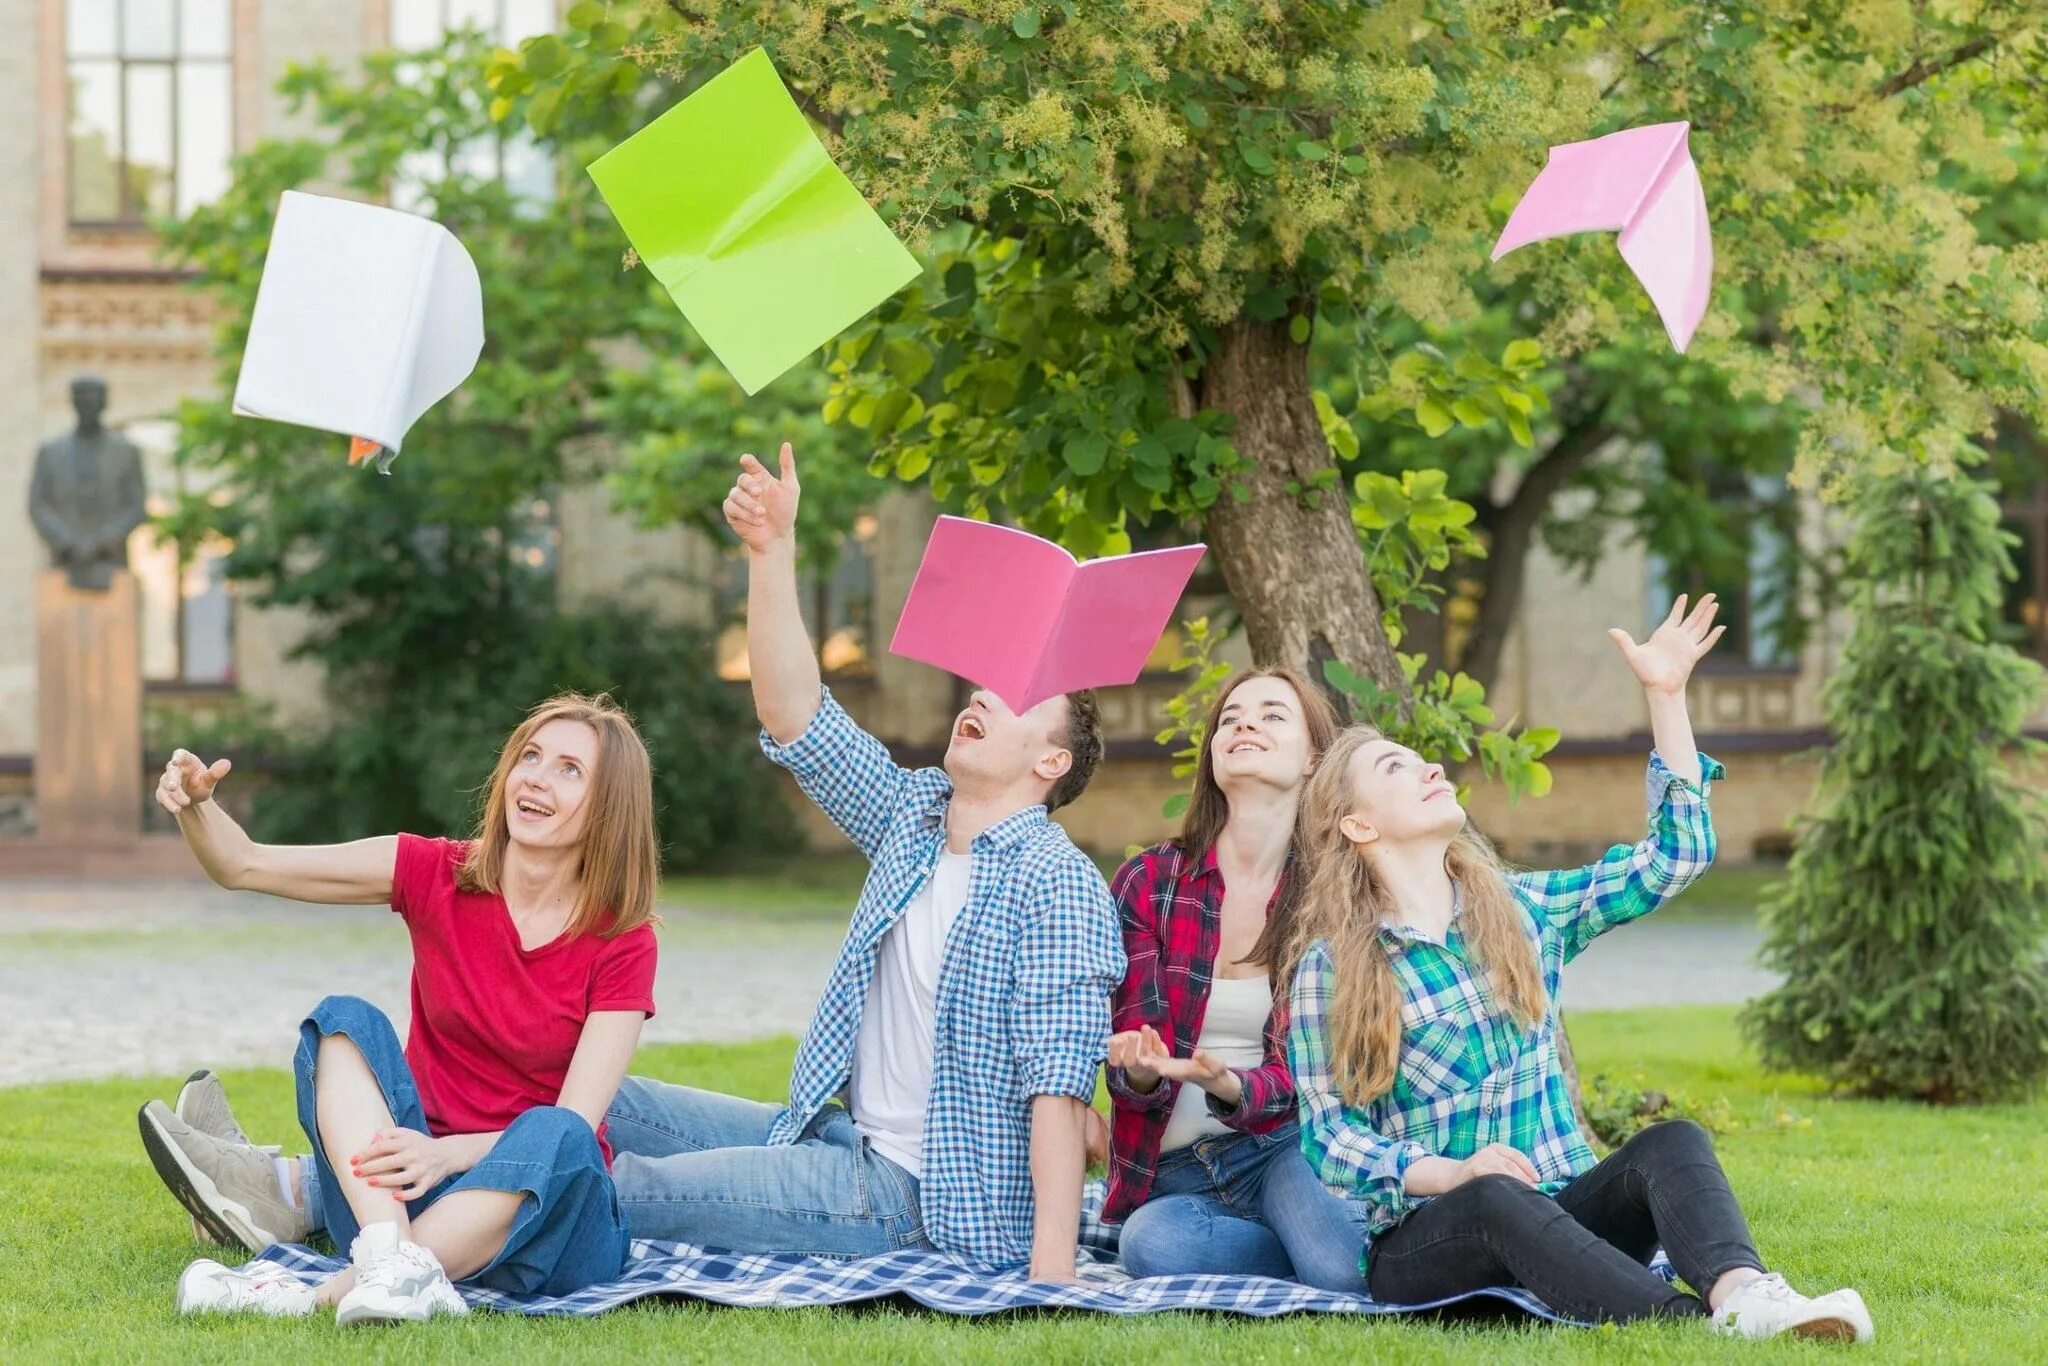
point(1642, 183)
point(1016, 614)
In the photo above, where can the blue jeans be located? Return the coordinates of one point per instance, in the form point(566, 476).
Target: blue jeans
point(567, 1234)
point(1246, 1204)
point(694, 1167)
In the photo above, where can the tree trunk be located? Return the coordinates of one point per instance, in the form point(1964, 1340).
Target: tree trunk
point(1294, 570)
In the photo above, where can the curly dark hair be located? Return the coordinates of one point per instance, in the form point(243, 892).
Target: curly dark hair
point(1083, 740)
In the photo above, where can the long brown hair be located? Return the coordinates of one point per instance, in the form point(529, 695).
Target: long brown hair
point(1209, 810)
point(1344, 902)
point(620, 860)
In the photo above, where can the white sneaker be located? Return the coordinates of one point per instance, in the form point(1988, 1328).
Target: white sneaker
point(1766, 1307)
point(397, 1281)
point(207, 1287)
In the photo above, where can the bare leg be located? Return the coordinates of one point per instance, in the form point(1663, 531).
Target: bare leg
point(467, 1228)
point(349, 1105)
point(334, 1287)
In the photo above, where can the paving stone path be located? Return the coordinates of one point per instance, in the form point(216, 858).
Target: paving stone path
point(125, 978)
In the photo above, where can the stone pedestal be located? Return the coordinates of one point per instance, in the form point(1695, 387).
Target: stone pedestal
point(88, 765)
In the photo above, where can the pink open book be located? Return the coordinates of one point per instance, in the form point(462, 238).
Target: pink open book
point(1016, 614)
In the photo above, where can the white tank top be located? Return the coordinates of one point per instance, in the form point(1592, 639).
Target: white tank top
point(1234, 1029)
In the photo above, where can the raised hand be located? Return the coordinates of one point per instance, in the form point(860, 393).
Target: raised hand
point(761, 508)
point(1665, 661)
point(186, 781)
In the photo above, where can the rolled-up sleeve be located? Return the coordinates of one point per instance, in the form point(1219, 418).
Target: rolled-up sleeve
point(1266, 1093)
point(1343, 1149)
point(1632, 880)
point(1069, 961)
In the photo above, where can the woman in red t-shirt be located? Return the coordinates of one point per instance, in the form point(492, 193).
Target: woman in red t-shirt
point(475, 1154)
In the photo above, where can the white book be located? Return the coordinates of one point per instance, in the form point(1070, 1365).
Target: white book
point(365, 318)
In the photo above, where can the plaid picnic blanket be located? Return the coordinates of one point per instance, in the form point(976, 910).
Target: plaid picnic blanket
point(930, 1279)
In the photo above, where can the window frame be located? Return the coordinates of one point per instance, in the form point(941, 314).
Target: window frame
point(2031, 512)
point(1755, 491)
point(128, 216)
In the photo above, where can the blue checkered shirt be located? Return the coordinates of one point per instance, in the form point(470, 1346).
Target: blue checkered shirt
point(1023, 994)
point(1468, 1074)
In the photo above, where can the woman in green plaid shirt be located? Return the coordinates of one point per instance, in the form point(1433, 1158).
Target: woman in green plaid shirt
point(1423, 1042)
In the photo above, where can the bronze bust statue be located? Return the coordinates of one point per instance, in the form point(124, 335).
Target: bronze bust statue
point(87, 493)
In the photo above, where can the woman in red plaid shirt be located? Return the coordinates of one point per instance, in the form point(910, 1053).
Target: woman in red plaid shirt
point(1206, 1168)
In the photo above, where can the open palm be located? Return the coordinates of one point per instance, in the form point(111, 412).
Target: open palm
point(1665, 661)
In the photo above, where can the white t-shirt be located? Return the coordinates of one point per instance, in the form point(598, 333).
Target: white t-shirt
point(1234, 1029)
point(892, 1055)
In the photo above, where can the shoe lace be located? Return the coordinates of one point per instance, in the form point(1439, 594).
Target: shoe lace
point(251, 1287)
point(405, 1260)
point(1773, 1288)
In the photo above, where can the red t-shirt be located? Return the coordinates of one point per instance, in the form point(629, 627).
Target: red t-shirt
point(495, 1025)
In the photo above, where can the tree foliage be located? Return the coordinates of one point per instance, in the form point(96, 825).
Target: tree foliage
point(1114, 196)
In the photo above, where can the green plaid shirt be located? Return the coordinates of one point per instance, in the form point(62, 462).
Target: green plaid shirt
point(1469, 1075)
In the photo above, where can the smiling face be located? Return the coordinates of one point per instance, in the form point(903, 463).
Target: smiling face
point(994, 749)
point(1260, 737)
point(1397, 796)
point(547, 790)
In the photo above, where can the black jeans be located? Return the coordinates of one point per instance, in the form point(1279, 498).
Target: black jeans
point(1585, 1252)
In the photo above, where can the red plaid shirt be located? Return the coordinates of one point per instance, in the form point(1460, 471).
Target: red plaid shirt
point(1173, 925)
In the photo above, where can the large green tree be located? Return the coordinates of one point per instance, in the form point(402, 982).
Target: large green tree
point(1142, 213)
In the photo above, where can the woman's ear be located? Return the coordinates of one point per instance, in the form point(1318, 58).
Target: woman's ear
point(1357, 830)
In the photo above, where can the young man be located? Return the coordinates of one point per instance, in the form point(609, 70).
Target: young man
point(968, 1011)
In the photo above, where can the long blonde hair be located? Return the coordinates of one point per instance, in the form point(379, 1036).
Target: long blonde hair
point(620, 868)
point(1344, 903)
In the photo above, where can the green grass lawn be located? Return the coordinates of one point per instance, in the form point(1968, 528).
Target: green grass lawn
point(1940, 1218)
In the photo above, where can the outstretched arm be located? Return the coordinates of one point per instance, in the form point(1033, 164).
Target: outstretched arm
point(354, 874)
point(762, 509)
point(1580, 904)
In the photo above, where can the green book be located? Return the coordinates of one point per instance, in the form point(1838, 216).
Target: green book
point(764, 244)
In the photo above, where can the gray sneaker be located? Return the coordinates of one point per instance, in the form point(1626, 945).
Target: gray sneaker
point(229, 1188)
point(203, 1104)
